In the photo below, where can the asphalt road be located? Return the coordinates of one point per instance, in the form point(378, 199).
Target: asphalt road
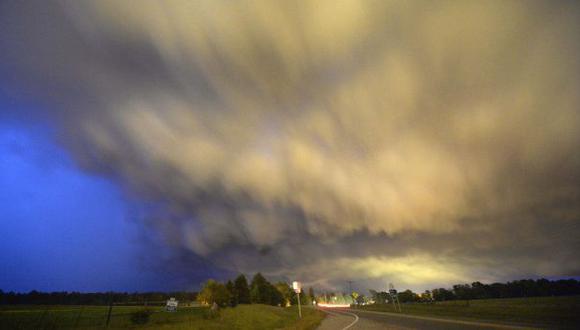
point(345, 318)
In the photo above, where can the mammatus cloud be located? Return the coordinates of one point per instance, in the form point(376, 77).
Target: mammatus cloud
point(424, 142)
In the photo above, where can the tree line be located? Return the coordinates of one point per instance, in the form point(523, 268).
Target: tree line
point(477, 290)
point(259, 291)
point(515, 289)
point(96, 298)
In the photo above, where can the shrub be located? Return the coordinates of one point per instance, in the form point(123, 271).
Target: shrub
point(141, 317)
point(210, 314)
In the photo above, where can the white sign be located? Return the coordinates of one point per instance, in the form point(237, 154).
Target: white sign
point(171, 305)
point(392, 290)
point(296, 286)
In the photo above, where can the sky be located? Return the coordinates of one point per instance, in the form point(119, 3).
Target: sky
point(419, 143)
point(52, 218)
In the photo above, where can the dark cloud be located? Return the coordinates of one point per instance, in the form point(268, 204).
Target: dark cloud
point(427, 143)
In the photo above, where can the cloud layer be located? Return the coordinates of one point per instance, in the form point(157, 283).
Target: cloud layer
point(426, 143)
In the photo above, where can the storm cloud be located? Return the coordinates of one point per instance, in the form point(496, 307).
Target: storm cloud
point(422, 143)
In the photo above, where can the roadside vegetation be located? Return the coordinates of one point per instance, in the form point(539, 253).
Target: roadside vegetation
point(530, 302)
point(553, 312)
point(242, 317)
point(259, 291)
point(261, 304)
point(230, 305)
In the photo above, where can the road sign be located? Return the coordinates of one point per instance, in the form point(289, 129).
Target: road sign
point(171, 305)
point(296, 286)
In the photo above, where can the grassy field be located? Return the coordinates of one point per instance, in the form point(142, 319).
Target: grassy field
point(95, 317)
point(547, 311)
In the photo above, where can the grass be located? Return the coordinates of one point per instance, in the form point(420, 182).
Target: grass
point(546, 311)
point(94, 317)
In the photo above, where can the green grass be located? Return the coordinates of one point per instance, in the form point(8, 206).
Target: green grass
point(94, 317)
point(547, 311)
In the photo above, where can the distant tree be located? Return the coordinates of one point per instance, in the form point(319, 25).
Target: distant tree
point(232, 293)
point(214, 292)
point(275, 297)
point(374, 295)
point(498, 290)
point(442, 294)
point(311, 295)
point(379, 297)
point(304, 298)
point(323, 298)
point(242, 290)
point(263, 292)
point(361, 299)
point(259, 290)
point(544, 287)
point(408, 296)
point(286, 292)
point(355, 296)
point(426, 296)
point(462, 291)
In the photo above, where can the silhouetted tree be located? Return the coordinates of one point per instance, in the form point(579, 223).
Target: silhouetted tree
point(214, 292)
point(258, 290)
point(311, 295)
point(275, 296)
point(232, 293)
point(408, 296)
point(242, 290)
point(462, 291)
point(286, 291)
point(442, 294)
point(379, 297)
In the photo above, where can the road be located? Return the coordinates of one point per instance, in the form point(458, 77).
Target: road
point(352, 319)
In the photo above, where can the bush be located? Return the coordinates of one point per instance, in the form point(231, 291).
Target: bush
point(141, 317)
point(210, 314)
point(214, 292)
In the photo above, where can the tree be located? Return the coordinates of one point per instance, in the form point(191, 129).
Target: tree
point(427, 296)
point(242, 290)
point(462, 291)
point(311, 295)
point(442, 294)
point(305, 298)
point(263, 292)
point(275, 297)
point(232, 293)
point(361, 299)
point(480, 291)
point(214, 292)
point(408, 296)
point(379, 297)
point(258, 290)
point(286, 292)
point(355, 296)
